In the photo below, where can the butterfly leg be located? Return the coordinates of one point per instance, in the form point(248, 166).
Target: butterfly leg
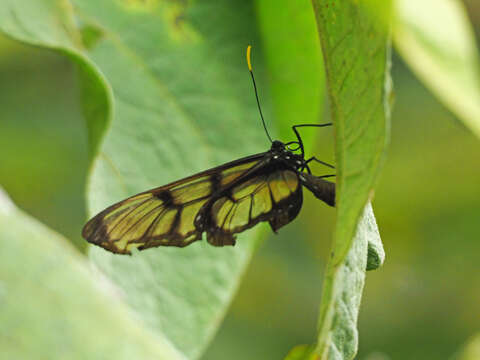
point(297, 134)
point(305, 166)
point(312, 125)
point(326, 176)
point(313, 158)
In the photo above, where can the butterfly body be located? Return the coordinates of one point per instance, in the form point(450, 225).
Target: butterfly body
point(220, 202)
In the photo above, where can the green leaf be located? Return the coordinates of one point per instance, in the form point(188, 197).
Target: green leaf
point(436, 39)
point(51, 306)
point(354, 38)
point(301, 352)
point(294, 64)
point(48, 24)
point(471, 350)
point(342, 292)
point(183, 102)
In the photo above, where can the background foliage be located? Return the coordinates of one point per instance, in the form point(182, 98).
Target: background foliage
point(424, 301)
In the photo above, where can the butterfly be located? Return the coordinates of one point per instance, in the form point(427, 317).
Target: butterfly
point(221, 202)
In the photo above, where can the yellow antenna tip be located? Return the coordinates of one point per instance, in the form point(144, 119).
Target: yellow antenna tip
point(249, 48)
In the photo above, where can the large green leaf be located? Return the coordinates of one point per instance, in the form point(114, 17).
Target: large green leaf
point(354, 38)
point(437, 41)
point(180, 86)
point(53, 308)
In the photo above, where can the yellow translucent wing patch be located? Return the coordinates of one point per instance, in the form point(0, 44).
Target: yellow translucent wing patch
point(118, 213)
point(191, 191)
point(262, 202)
point(186, 224)
point(239, 216)
point(229, 175)
point(247, 188)
point(123, 224)
point(163, 224)
point(282, 185)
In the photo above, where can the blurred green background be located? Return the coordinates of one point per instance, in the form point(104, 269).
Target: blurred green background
point(424, 302)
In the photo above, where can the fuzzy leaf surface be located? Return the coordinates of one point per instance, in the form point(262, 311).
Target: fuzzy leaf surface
point(355, 45)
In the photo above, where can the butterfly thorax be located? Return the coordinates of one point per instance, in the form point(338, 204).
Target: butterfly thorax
point(280, 152)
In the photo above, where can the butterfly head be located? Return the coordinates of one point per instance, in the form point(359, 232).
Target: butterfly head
point(284, 153)
point(278, 146)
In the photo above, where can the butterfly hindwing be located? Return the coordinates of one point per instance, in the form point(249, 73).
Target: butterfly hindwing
point(271, 193)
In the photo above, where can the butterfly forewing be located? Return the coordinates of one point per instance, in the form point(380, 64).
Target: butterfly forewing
point(165, 215)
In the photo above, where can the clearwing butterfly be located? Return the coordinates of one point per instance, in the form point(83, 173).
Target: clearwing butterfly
point(221, 201)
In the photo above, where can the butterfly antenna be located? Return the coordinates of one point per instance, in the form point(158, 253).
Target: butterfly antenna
point(249, 63)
